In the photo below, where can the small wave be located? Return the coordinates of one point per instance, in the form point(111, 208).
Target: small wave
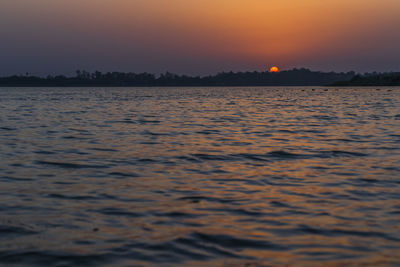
point(68, 165)
point(121, 121)
point(43, 258)
point(104, 149)
point(74, 137)
point(369, 180)
point(336, 232)
point(188, 158)
point(144, 160)
point(254, 157)
point(208, 132)
point(15, 179)
point(6, 230)
point(146, 132)
point(346, 153)
point(44, 152)
point(171, 252)
point(177, 214)
point(118, 212)
point(143, 121)
point(212, 157)
point(285, 155)
point(61, 196)
point(196, 199)
point(279, 204)
point(194, 242)
point(237, 211)
point(286, 131)
point(227, 241)
point(325, 117)
point(124, 174)
point(8, 129)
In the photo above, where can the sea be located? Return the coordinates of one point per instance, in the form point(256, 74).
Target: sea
point(204, 176)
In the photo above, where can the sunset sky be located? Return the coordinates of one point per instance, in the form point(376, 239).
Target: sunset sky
point(198, 36)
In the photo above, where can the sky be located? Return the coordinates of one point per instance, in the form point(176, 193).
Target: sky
point(198, 37)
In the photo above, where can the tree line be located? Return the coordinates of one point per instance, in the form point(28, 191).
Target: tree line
point(294, 77)
point(372, 79)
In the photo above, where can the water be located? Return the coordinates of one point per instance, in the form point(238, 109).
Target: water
point(200, 176)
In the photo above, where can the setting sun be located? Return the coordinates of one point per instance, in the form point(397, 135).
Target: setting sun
point(274, 69)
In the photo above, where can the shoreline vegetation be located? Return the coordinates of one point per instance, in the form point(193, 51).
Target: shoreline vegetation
point(294, 77)
point(374, 79)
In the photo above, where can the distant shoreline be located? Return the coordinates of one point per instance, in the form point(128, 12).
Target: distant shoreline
point(295, 77)
point(381, 79)
point(191, 86)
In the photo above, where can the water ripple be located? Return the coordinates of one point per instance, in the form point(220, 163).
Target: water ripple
point(199, 176)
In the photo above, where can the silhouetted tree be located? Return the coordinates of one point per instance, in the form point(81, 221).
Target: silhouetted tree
point(299, 77)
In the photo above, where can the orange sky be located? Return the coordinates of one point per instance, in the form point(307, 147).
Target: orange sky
point(192, 36)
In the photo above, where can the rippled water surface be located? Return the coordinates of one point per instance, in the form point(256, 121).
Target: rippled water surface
point(200, 176)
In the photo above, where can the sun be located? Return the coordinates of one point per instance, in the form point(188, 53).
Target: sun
point(274, 69)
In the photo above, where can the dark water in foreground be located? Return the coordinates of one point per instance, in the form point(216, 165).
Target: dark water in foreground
point(194, 176)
